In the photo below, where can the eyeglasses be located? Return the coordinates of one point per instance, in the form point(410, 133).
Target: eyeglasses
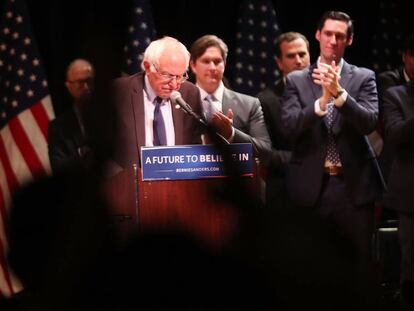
point(167, 77)
point(79, 83)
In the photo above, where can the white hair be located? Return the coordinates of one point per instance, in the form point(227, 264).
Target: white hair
point(155, 50)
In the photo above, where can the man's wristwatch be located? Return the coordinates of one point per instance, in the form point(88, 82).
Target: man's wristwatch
point(340, 92)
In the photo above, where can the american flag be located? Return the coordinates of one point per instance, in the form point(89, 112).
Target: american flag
point(25, 111)
point(388, 37)
point(140, 33)
point(255, 64)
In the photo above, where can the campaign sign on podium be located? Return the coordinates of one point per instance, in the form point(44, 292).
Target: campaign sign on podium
point(193, 161)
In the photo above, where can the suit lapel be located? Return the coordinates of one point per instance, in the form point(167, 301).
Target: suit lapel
point(316, 89)
point(227, 101)
point(137, 103)
point(71, 124)
point(407, 101)
point(279, 87)
point(230, 102)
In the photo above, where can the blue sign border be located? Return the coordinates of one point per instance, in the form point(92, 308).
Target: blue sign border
point(193, 161)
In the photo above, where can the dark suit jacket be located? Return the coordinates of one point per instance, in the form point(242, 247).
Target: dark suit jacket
point(276, 192)
point(129, 104)
point(248, 121)
point(399, 130)
point(308, 132)
point(65, 140)
point(385, 80)
point(388, 79)
point(270, 99)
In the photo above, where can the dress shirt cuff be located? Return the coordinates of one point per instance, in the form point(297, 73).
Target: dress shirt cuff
point(339, 102)
point(318, 110)
point(230, 139)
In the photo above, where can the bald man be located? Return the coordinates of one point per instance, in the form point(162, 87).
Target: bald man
point(67, 136)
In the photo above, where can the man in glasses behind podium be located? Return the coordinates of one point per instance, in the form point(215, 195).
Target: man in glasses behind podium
point(68, 138)
point(146, 116)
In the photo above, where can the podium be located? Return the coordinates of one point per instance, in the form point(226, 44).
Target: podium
point(200, 207)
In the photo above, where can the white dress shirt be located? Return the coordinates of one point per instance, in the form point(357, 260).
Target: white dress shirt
point(166, 111)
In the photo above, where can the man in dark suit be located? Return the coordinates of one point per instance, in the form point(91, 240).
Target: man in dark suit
point(164, 68)
point(398, 104)
point(292, 53)
point(235, 116)
point(402, 74)
point(68, 140)
point(326, 111)
point(387, 79)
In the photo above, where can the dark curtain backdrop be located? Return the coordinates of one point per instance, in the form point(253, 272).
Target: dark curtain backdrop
point(94, 29)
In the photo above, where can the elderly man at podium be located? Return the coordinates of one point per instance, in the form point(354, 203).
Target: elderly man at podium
point(146, 116)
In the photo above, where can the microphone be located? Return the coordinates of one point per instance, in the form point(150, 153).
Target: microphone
point(177, 98)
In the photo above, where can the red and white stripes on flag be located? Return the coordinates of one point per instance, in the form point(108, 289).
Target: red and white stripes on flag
point(25, 112)
point(23, 157)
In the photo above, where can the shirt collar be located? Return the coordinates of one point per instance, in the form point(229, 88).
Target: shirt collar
point(149, 90)
point(218, 93)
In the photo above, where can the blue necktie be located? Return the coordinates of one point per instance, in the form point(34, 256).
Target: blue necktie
point(158, 125)
point(332, 154)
